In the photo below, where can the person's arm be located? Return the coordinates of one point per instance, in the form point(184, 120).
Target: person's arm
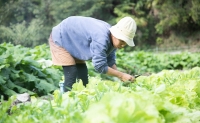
point(112, 71)
point(101, 65)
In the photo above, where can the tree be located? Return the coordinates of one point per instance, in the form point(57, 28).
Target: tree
point(177, 18)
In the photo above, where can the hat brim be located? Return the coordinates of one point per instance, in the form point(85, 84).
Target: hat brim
point(115, 32)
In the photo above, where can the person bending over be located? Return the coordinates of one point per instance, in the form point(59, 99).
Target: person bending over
point(78, 39)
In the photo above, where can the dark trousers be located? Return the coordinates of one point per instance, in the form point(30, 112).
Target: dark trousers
point(73, 73)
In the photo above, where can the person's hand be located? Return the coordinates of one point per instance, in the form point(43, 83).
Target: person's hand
point(126, 77)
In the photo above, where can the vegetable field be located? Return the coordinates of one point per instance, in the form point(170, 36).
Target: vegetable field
point(168, 90)
point(166, 97)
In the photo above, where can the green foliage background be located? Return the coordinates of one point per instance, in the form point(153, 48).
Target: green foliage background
point(30, 70)
point(29, 22)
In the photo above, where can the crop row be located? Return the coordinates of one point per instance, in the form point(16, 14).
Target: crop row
point(30, 70)
point(170, 96)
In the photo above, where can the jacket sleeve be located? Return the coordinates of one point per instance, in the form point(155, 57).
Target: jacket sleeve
point(99, 57)
point(111, 58)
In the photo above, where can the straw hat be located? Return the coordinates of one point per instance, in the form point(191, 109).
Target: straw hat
point(125, 30)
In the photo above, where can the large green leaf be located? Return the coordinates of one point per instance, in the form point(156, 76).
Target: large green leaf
point(2, 81)
point(37, 71)
point(44, 87)
point(30, 77)
point(7, 91)
point(17, 88)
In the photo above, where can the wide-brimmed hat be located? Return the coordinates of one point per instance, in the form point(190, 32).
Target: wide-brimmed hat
point(125, 30)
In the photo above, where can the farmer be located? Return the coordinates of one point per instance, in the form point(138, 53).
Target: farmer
point(77, 39)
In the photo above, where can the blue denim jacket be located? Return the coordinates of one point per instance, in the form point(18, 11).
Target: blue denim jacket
point(86, 38)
